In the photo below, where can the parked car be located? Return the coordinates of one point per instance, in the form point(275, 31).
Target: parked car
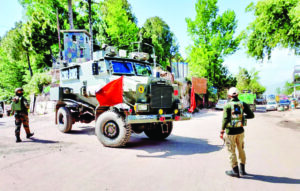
point(221, 103)
point(271, 105)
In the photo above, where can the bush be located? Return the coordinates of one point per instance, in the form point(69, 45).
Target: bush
point(37, 83)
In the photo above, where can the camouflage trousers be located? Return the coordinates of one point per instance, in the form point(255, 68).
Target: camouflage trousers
point(21, 118)
point(233, 142)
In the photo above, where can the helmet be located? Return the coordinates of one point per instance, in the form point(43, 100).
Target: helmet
point(18, 89)
point(233, 91)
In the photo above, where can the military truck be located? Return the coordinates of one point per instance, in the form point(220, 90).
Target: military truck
point(150, 104)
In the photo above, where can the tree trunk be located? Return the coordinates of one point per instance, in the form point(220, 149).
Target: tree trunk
point(70, 14)
point(170, 60)
point(178, 70)
point(52, 57)
point(29, 66)
point(91, 27)
point(58, 34)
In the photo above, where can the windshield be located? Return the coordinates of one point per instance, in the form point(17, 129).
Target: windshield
point(222, 101)
point(122, 67)
point(143, 70)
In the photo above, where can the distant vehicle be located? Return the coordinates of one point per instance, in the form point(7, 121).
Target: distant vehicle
point(260, 101)
point(271, 105)
point(284, 103)
point(221, 103)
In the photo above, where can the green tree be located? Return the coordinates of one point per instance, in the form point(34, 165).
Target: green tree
point(157, 32)
point(13, 65)
point(288, 88)
point(37, 83)
point(118, 25)
point(277, 23)
point(278, 91)
point(213, 39)
point(249, 81)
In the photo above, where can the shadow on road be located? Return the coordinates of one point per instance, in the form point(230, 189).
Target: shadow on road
point(83, 130)
point(272, 179)
point(43, 141)
point(2, 123)
point(174, 145)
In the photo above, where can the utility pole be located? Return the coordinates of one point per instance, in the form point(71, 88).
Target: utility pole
point(28, 61)
point(91, 27)
point(70, 14)
point(58, 31)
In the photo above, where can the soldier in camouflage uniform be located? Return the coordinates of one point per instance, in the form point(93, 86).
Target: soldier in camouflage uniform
point(234, 119)
point(19, 108)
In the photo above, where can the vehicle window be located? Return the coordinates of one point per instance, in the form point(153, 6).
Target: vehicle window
point(143, 70)
point(222, 101)
point(270, 103)
point(122, 67)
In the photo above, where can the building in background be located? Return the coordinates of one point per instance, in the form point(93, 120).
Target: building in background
point(180, 70)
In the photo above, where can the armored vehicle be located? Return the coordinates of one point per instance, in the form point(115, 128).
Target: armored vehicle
point(149, 104)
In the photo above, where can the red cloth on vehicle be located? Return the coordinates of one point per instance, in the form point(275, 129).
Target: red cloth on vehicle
point(111, 94)
point(193, 101)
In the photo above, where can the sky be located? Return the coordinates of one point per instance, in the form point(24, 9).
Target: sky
point(273, 73)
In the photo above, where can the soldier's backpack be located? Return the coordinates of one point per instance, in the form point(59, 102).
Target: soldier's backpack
point(237, 115)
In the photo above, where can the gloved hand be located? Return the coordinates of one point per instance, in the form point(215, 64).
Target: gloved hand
point(222, 134)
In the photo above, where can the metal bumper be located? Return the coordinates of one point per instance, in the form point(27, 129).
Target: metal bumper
point(135, 119)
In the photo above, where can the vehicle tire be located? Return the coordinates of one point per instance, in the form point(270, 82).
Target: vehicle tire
point(64, 119)
point(155, 132)
point(1, 115)
point(111, 129)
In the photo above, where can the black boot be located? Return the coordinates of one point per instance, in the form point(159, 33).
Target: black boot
point(29, 135)
point(242, 167)
point(234, 172)
point(18, 139)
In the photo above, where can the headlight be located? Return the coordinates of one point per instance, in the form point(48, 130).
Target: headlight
point(142, 107)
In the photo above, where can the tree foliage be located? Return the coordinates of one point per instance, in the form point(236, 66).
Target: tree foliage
point(287, 89)
point(277, 23)
point(33, 44)
point(118, 25)
point(157, 32)
point(12, 61)
point(213, 39)
point(249, 81)
point(37, 83)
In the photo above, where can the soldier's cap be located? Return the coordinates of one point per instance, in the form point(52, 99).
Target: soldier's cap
point(233, 91)
point(18, 89)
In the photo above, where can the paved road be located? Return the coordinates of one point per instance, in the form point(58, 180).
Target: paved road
point(192, 158)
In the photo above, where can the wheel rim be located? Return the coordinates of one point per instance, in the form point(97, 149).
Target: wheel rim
point(111, 129)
